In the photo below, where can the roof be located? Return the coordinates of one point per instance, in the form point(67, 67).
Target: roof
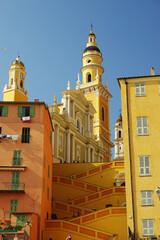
point(91, 34)
point(138, 77)
point(92, 48)
point(127, 78)
point(17, 62)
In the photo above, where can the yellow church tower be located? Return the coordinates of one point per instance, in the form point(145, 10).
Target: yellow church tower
point(96, 92)
point(15, 91)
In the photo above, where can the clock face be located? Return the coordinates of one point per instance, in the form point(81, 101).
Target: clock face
point(22, 76)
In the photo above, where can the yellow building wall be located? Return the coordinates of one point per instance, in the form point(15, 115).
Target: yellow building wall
point(149, 106)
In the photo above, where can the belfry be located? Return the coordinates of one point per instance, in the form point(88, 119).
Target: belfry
point(94, 91)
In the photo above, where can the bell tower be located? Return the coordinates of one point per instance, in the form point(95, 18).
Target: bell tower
point(94, 90)
point(15, 91)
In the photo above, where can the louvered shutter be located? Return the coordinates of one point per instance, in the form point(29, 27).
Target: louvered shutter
point(145, 125)
point(151, 227)
point(147, 167)
point(149, 198)
point(145, 227)
point(141, 165)
point(32, 111)
point(19, 111)
point(143, 198)
point(5, 111)
point(137, 90)
point(142, 87)
point(139, 126)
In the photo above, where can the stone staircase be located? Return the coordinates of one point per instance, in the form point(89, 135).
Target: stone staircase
point(85, 209)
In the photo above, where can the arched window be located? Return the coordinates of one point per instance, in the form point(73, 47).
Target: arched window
point(102, 113)
point(119, 134)
point(89, 77)
point(21, 84)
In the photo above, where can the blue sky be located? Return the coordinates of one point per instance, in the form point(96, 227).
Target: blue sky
point(50, 37)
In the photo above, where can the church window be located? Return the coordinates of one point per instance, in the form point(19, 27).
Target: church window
point(21, 84)
point(89, 78)
point(78, 125)
point(119, 133)
point(11, 81)
point(103, 113)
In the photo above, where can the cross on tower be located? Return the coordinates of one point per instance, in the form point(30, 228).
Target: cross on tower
point(91, 26)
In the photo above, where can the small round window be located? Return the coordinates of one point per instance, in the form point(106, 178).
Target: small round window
point(88, 61)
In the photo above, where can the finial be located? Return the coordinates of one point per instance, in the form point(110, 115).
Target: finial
point(91, 27)
point(55, 100)
point(68, 88)
point(78, 83)
point(18, 58)
point(106, 84)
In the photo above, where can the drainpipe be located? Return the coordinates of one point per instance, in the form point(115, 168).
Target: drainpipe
point(130, 160)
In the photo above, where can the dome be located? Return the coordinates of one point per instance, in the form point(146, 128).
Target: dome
point(17, 61)
point(92, 48)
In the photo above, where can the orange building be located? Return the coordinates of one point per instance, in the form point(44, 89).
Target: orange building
point(25, 165)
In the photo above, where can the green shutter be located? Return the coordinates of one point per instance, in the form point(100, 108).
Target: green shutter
point(5, 111)
point(32, 111)
point(19, 111)
point(48, 171)
point(21, 220)
point(50, 136)
point(47, 193)
point(17, 158)
point(15, 180)
point(13, 205)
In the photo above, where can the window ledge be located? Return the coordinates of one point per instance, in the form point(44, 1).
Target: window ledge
point(12, 168)
point(143, 135)
point(145, 175)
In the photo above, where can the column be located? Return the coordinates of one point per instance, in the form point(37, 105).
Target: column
point(68, 147)
point(89, 159)
point(73, 148)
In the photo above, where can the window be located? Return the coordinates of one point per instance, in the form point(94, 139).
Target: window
point(148, 227)
point(13, 206)
point(102, 113)
point(142, 126)
point(146, 198)
point(78, 125)
point(3, 111)
point(119, 133)
point(144, 165)
point(48, 193)
point(21, 220)
point(15, 180)
point(17, 158)
point(26, 111)
point(140, 89)
point(48, 171)
point(61, 142)
point(25, 135)
point(50, 136)
point(89, 78)
point(0, 130)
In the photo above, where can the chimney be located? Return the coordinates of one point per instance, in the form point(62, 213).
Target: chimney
point(152, 71)
point(36, 100)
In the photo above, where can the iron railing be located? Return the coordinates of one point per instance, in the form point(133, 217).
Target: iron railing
point(12, 187)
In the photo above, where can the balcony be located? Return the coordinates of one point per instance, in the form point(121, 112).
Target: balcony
point(9, 187)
